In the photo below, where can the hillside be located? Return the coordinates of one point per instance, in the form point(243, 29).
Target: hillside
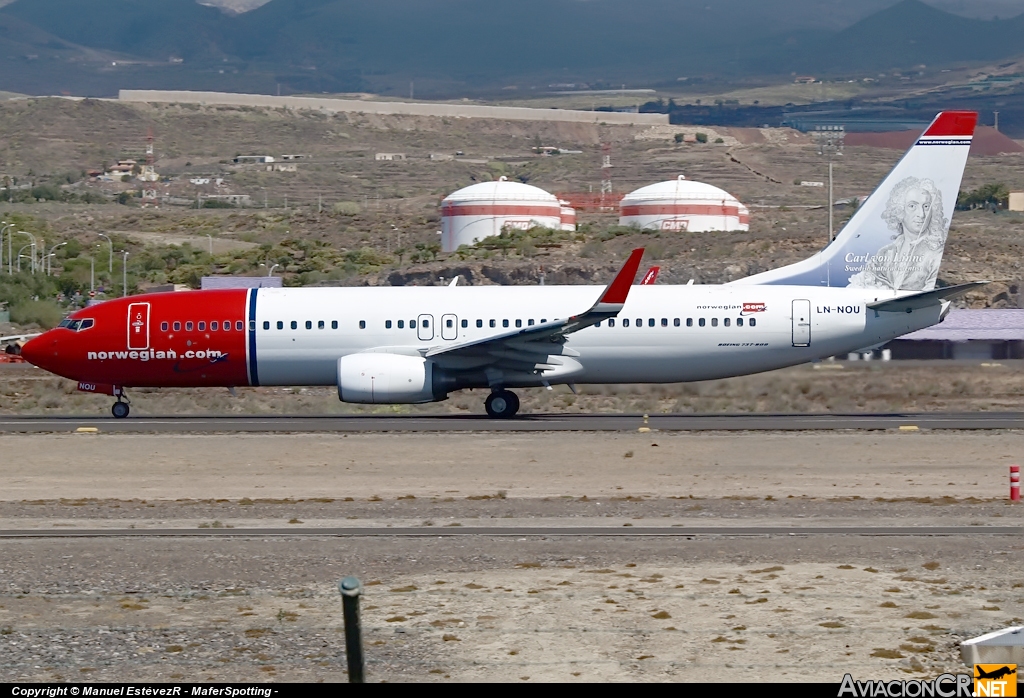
point(450, 46)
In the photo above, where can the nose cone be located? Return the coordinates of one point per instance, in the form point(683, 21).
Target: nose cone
point(40, 351)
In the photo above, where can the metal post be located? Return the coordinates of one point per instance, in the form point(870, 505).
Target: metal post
point(210, 238)
point(110, 261)
point(350, 588)
point(124, 272)
point(831, 233)
point(92, 277)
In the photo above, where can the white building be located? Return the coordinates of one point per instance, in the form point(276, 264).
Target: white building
point(682, 204)
point(482, 210)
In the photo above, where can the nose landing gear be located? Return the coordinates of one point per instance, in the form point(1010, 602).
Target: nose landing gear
point(502, 404)
point(120, 409)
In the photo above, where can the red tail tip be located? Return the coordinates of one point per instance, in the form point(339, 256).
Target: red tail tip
point(953, 123)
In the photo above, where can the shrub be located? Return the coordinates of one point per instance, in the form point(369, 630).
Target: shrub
point(42, 313)
point(701, 137)
point(346, 208)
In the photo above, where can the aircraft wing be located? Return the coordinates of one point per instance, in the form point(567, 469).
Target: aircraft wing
point(916, 301)
point(529, 348)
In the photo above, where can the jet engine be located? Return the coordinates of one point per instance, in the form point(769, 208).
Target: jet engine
point(373, 378)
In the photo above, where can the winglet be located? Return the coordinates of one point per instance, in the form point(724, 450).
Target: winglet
point(618, 289)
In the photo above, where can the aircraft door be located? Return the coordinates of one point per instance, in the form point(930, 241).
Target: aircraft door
point(138, 326)
point(449, 327)
point(425, 328)
point(801, 323)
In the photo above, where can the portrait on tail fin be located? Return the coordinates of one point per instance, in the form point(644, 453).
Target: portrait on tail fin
point(911, 261)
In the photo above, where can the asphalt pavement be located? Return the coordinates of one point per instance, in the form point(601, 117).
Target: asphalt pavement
point(540, 422)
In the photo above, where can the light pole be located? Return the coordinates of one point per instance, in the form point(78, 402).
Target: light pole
point(124, 273)
point(21, 255)
point(110, 261)
point(22, 232)
point(92, 277)
point(49, 267)
point(210, 238)
point(270, 272)
point(6, 225)
point(830, 144)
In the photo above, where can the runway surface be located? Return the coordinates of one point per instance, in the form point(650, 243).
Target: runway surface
point(522, 531)
point(548, 422)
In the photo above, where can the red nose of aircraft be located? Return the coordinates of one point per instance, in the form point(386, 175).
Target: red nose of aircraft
point(41, 351)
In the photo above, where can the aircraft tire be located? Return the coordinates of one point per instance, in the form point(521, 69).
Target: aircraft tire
point(503, 404)
point(120, 410)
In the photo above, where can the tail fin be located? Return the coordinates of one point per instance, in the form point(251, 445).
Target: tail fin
point(895, 239)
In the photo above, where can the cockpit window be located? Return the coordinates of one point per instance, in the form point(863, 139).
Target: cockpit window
point(76, 325)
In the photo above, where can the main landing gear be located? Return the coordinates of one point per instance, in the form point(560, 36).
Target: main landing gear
point(120, 409)
point(502, 404)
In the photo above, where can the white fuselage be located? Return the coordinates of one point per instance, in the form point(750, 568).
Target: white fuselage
point(663, 334)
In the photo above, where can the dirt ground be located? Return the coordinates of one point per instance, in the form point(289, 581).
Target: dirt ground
point(468, 608)
point(841, 386)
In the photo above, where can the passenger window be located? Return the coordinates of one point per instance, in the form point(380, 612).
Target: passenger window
point(664, 322)
point(492, 323)
point(387, 324)
point(188, 326)
point(309, 324)
point(753, 321)
point(726, 322)
point(412, 324)
point(401, 324)
point(280, 325)
point(320, 324)
point(448, 323)
point(362, 324)
point(714, 322)
point(239, 325)
point(650, 323)
point(252, 325)
point(529, 322)
point(597, 324)
point(214, 326)
point(479, 323)
point(675, 322)
point(465, 324)
point(163, 326)
point(639, 322)
point(543, 320)
point(519, 323)
point(294, 325)
point(202, 327)
point(426, 323)
point(701, 322)
point(266, 325)
point(611, 322)
point(625, 322)
point(504, 323)
point(689, 322)
point(739, 322)
point(177, 326)
point(334, 324)
point(227, 325)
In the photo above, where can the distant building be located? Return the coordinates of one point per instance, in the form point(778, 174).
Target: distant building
point(1016, 202)
point(253, 159)
point(281, 167)
point(389, 156)
point(294, 157)
point(443, 157)
point(209, 282)
point(240, 200)
point(979, 335)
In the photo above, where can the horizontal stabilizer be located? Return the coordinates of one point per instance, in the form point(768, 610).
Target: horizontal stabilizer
point(916, 301)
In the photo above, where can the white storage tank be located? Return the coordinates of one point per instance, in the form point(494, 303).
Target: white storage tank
point(568, 214)
point(482, 210)
point(682, 204)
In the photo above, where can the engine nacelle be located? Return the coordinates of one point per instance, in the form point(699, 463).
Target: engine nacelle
point(373, 378)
